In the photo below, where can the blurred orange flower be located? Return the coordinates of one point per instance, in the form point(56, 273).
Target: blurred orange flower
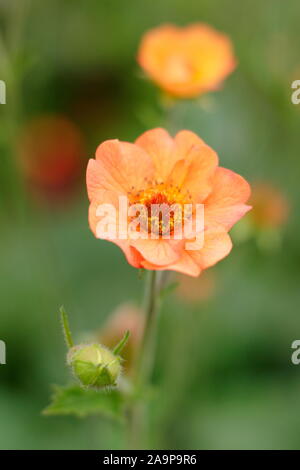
point(186, 62)
point(159, 169)
point(126, 317)
point(197, 289)
point(51, 153)
point(270, 207)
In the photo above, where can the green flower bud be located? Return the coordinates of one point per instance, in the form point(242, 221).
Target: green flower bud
point(94, 365)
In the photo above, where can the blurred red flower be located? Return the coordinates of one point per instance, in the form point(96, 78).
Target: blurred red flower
point(51, 150)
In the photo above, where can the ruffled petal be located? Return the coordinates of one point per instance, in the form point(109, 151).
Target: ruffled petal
point(217, 245)
point(160, 146)
point(108, 197)
point(119, 167)
point(195, 167)
point(160, 252)
point(186, 265)
point(226, 203)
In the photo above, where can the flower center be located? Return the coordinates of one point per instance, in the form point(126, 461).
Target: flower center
point(164, 209)
point(179, 68)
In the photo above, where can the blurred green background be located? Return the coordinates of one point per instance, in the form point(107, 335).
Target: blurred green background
point(223, 367)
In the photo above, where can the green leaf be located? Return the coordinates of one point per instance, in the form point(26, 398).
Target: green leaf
point(74, 400)
point(66, 327)
point(122, 343)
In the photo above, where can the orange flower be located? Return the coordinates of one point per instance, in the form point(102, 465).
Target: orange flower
point(186, 62)
point(159, 169)
point(197, 289)
point(270, 206)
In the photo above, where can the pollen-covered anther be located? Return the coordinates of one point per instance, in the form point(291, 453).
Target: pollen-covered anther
point(165, 208)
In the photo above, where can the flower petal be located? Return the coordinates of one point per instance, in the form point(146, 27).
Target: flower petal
point(161, 252)
point(160, 146)
point(226, 203)
point(217, 245)
point(195, 167)
point(132, 255)
point(108, 197)
point(120, 167)
point(186, 265)
point(93, 178)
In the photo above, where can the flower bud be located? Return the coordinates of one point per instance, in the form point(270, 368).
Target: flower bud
point(94, 365)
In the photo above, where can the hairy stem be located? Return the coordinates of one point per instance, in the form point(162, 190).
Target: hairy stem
point(145, 360)
point(137, 413)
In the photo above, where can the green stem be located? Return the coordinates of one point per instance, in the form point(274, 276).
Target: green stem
point(137, 410)
point(145, 359)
